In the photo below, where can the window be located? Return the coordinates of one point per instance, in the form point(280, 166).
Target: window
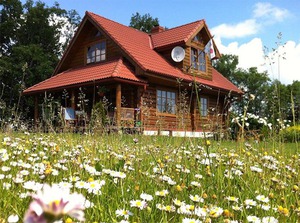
point(198, 59)
point(96, 52)
point(203, 106)
point(166, 101)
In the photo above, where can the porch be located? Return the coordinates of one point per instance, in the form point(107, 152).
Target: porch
point(109, 107)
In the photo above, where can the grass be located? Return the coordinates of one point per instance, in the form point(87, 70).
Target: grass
point(214, 181)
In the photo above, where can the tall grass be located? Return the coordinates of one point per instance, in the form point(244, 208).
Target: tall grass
point(225, 185)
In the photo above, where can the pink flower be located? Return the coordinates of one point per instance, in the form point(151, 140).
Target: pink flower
point(52, 203)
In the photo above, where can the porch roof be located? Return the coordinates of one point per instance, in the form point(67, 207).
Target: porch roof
point(93, 73)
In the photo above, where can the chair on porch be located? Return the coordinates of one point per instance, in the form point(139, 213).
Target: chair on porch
point(69, 117)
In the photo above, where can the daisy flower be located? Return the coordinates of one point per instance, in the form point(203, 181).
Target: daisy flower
point(191, 220)
point(138, 204)
point(269, 220)
point(146, 197)
point(162, 193)
point(196, 198)
point(53, 203)
point(262, 198)
point(123, 213)
point(254, 219)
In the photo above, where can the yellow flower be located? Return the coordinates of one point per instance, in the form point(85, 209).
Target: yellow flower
point(178, 188)
point(283, 211)
point(90, 179)
point(68, 220)
point(295, 188)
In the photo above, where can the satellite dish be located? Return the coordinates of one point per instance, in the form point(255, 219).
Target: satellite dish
point(178, 54)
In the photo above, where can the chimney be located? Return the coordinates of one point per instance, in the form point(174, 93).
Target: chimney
point(157, 29)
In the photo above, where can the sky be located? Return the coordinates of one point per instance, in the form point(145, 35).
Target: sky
point(240, 27)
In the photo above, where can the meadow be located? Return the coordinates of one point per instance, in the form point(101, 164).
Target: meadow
point(134, 178)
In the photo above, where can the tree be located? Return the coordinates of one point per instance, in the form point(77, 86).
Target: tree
point(143, 22)
point(30, 48)
point(249, 80)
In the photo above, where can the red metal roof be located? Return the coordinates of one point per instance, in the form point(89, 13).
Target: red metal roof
point(136, 44)
point(177, 35)
point(111, 69)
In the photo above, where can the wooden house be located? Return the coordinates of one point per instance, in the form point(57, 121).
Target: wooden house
point(160, 82)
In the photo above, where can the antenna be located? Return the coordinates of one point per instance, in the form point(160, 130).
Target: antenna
point(178, 54)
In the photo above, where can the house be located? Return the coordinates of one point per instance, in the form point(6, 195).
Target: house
point(163, 82)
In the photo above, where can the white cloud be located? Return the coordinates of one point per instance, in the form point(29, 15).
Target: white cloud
point(251, 55)
point(269, 13)
point(245, 28)
point(286, 70)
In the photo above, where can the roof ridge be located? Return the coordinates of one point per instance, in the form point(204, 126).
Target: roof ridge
point(176, 27)
point(117, 67)
point(88, 12)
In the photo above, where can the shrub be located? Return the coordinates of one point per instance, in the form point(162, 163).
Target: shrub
point(291, 134)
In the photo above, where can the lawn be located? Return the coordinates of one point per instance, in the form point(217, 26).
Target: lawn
point(126, 178)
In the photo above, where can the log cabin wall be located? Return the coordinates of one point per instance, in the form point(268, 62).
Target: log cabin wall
point(187, 116)
point(88, 36)
point(215, 119)
point(153, 120)
point(187, 68)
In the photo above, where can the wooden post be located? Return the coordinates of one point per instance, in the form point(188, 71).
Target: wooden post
point(118, 105)
point(36, 111)
point(73, 104)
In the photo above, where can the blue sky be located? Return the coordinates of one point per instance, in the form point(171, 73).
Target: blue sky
point(240, 27)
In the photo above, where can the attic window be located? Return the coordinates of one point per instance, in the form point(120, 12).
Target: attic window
point(98, 34)
point(198, 59)
point(96, 53)
point(198, 39)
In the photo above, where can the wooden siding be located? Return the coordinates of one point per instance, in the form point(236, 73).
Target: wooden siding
point(187, 116)
point(187, 64)
point(87, 37)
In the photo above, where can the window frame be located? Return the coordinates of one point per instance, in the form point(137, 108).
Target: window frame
point(94, 54)
point(168, 98)
point(204, 107)
point(200, 64)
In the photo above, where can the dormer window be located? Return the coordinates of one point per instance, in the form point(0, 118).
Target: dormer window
point(96, 52)
point(198, 60)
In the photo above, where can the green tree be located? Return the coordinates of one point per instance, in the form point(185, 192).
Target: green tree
point(143, 22)
point(30, 47)
point(250, 81)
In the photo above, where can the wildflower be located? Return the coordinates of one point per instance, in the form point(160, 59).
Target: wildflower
point(196, 184)
point(262, 198)
point(265, 207)
point(200, 212)
point(215, 212)
point(13, 219)
point(124, 213)
point(196, 198)
point(269, 220)
point(283, 211)
point(178, 202)
point(231, 198)
point(146, 197)
point(191, 220)
point(256, 169)
point(162, 193)
point(52, 203)
point(169, 208)
point(138, 204)
point(252, 218)
point(249, 203)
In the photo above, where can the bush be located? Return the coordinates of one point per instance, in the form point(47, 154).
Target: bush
point(291, 134)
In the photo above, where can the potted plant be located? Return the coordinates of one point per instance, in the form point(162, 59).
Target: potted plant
point(102, 90)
